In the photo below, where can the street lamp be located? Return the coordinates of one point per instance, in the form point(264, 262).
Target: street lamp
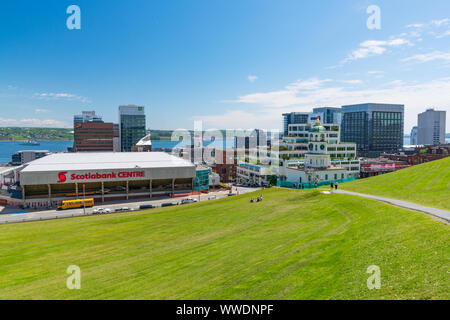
point(84, 199)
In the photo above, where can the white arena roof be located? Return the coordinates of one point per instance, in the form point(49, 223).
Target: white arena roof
point(106, 161)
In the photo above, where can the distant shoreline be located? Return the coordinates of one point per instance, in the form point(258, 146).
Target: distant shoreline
point(40, 140)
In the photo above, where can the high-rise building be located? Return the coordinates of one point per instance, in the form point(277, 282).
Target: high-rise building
point(91, 134)
point(294, 118)
point(258, 138)
point(414, 135)
point(375, 128)
point(94, 137)
point(132, 126)
point(116, 137)
point(431, 127)
point(87, 116)
point(329, 115)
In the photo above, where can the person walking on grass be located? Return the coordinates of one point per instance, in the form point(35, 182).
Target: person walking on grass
point(332, 185)
point(336, 185)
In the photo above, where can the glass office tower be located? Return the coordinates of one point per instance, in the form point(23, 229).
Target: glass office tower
point(330, 115)
point(375, 128)
point(294, 118)
point(132, 126)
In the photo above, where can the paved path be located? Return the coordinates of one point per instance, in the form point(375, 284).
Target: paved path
point(438, 213)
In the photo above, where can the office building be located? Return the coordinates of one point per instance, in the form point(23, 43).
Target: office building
point(132, 126)
point(294, 118)
point(258, 138)
point(317, 166)
point(414, 135)
point(431, 127)
point(94, 137)
point(375, 128)
point(295, 146)
point(87, 116)
point(116, 137)
point(25, 156)
point(329, 115)
point(91, 134)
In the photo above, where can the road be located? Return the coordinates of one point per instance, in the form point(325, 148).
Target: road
point(16, 216)
point(438, 213)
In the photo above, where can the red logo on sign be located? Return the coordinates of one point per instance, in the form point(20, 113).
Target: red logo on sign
point(62, 177)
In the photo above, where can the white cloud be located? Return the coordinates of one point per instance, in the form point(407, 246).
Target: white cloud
point(415, 25)
point(432, 23)
point(63, 95)
point(352, 81)
point(443, 35)
point(263, 110)
point(426, 57)
point(240, 119)
point(41, 110)
point(284, 97)
point(374, 47)
point(252, 78)
point(439, 23)
point(395, 83)
point(32, 123)
point(376, 74)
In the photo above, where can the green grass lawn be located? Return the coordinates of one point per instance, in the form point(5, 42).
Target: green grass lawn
point(294, 245)
point(427, 184)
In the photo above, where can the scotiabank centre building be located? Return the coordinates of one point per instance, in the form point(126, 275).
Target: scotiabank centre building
point(105, 177)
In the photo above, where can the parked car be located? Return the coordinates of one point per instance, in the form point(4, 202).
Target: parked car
point(101, 211)
point(187, 201)
point(146, 206)
point(167, 204)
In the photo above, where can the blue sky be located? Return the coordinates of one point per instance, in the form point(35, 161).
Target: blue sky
point(232, 64)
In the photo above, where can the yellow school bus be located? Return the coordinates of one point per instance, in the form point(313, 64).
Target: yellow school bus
point(81, 194)
point(74, 204)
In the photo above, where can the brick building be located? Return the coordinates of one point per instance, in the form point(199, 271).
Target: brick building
point(94, 137)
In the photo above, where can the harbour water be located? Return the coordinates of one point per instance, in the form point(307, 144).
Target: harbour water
point(8, 148)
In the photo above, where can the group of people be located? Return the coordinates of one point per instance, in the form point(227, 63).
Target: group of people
point(258, 199)
point(334, 185)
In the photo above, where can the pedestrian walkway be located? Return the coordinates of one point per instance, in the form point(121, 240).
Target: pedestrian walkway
point(439, 213)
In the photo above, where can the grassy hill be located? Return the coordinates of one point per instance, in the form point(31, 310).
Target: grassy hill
point(294, 245)
point(50, 134)
point(427, 184)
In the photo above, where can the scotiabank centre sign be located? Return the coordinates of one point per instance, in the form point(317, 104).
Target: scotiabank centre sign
point(66, 177)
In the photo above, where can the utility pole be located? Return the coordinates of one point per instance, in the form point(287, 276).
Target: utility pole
point(84, 199)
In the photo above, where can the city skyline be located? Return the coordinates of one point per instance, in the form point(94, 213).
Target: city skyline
point(241, 65)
